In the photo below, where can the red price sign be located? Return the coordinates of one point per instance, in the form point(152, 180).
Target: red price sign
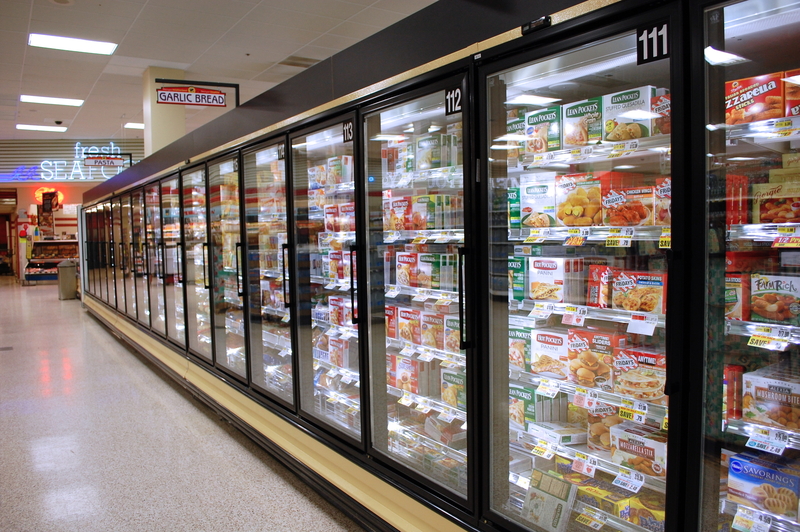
point(786, 242)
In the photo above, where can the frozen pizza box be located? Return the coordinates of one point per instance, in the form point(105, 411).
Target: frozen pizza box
point(640, 447)
point(347, 216)
point(409, 325)
point(543, 130)
point(550, 353)
point(775, 298)
point(432, 330)
point(452, 334)
point(754, 99)
point(627, 115)
point(391, 313)
point(771, 396)
point(582, 123)
point(407, 268)
point(331, 218)
point(537, 200)
point(770, 486)
point(775, 203)
point(737, 296)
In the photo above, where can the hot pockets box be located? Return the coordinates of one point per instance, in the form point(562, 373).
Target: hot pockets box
point(519, 347)
point(409, 325)
point(771, 486)
point(407, 268)
point(550, 353)
point(559, 280)
point(754, 99)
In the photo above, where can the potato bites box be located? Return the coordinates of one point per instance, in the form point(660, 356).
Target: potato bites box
point(640, 291)
point(578, 200)
point(753, 99)
point(775, 298)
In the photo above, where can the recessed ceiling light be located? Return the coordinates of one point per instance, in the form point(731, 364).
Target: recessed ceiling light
point(719, 58)
point(71, 45)
point(52, 129)
point(27, 98)
point(134, 125)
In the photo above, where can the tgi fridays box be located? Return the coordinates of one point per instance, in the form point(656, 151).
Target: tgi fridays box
point(520, 343)
point(452, 334)
point(408, 326)
point(591, 357)
point(582, 123)
point(639, 447)
point(791, 94)
point(392, 314)
point(737, 296)
point(453, 386)
point(559, 280)
point(543, 130)
point(772, 486)
point(622, 112)
point(754, 99)
point(775, 203)
point(661, 106)
point(521, 406)
point(631, 206)
point(537, 200)
point(579, 200)
point(436, 271)
point(517, 277)
point(775, 298)
point(663, 208)
point(639, 291)
point(639, 373)
point(600, 279)
point(550, 353)
point(771, 396)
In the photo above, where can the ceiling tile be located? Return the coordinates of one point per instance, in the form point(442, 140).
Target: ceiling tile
point(325, 8)
point(315, 52)
point(406, 7)
point(13, 37)
point(354, 30)
point(168, 17)
point(275, 32)
point(337, 42)
point(279, 73)
point(12, 53)
point(167, 49)
point(255, 41)
point(10, 72)
point(292, 19)
point(240, 64)
point(377, 17)
point(115, 8)
point(271, 53)
point(68, 19)
point(211, 8)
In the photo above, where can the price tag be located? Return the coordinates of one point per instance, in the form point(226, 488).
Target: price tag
point(425, 356)
point(665, 241)
point(446, 416)
point(315, 365)
point(591, 518)
point(786, 242)
point(623, 149)
point(584, 464)
point(406, 399)
point(537, 236)
point(580, 154)
point(391, 236)
point(407, 351)
point(783, 123)
point(548, 388)
point(629, 479)
point(747, 520)
point(423, 407)
point(347, 378)
point(333, 372)
point(392, 292)
point(633, 411)
point(642, 323)
point(620, 237)
point(330, 286)
point(767, 440)
point(422, 295)
point(544, 449)
point(331, 399)
point(585, 398)
point(574, 241)
point(767, 342)
point(543, 158)
point(574, 315)
point(419, 240)
point(664, 424)
point(541, 310)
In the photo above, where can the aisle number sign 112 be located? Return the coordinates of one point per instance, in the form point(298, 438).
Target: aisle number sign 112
point(452, 101)
point(652, 43)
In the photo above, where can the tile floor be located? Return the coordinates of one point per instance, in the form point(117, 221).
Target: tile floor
point(94, 438)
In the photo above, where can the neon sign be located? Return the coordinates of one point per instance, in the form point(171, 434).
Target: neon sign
point(63, 170)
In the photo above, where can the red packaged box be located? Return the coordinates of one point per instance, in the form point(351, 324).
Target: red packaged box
point(737, 200)
point(400, 217)
point(733, 378)
point(432, 330)
point(754, 99)
point(391, 314)
point(737, 296)
point(661, 106)
point(591, 357)
point(791, 94)
point(599, 291)
point(751, 261)
point(407, 269)
point(639, 373)
point(663, 209)
point(408, 326)
point(331, 218)
point(639, 291)
point(347, 217)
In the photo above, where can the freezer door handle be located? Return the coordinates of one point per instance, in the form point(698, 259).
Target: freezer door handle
point(284, 248)
point(462, 340)
point(353, 249)
point(205, 267)
point(163, 261)
point(237, 254)
point(122, 256)
point(133, 259)
point(146, 260)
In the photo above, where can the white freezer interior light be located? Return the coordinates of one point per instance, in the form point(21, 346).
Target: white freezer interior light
point(504, 147)
point(389, 137)
point(793, 79)
point(531, 99)
point(52, 129)
point(719, 58)
point(27, 98)
point(71, 45)
point(134, 125)
point(511, 137)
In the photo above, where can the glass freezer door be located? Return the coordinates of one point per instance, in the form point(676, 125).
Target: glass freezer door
point(155, 259)
point(752, 317)
point(173, 263)
point(118, 253)
point(226, 260)
point(140, 272)
point(126, 254)
point(416, 204)
point(267, 252)
point(195, 245)
point(580, 215)
point(324, 213)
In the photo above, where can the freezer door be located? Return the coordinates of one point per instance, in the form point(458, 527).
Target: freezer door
point(580, 219)
point(325, 237)
point(195, 247)
point(267, 270)
point(226, 262)
point(751, 419)
point(415, 197)
point(155, 259)
point(107, 273)
point(140, 265)
point(125, 248)
point(117, 249)
point(173, 260)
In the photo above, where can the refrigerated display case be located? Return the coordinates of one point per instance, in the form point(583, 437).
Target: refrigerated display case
point(579, 147)
point(752, 412)
point(141, 273)
point(195, 248)
point(415, 199)
point(226, 263)
point(269, 317)
point(172, 275)
point(155, 259)
point(325, 276)
point(125, 247)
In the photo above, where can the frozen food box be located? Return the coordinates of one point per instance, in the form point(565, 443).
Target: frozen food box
point(549, 353)
point(334, 170)
point(342, 353)
point(520, 342)
point(537, 200)
point(784, 175)
point(433, 151)
point(391, 314)
point(317, 177)
point(407, 269)
point(316, 199)
point(663, 208)
point(775, 298)
point(771, 396)
point(410, 375)
point(558, 433)
point(754, 99)
point(452, 334)
point(400, 213)
point(600, 279)
point(423, 212)
point(347, 216)
point(436, 271)
point(408, 325)
point(515, 125)
point(453, 388)
point(628, 206)
point(331, 218)
point(556, 279)
point(661, 106)
point(548, 502)
point(639, 373)
point(582, 123)
point(627, 115)
point(769, 486)
point(606, 497)
point(640, 447)
point(591, 357)
point(791, 160)
point(737, 199)
point(737, 296)
point(647, 510)
point(450, 434)
point(639, 291)
point(513, 207)
point(578, 200)
point(775, 203)
point(432, 330)
point(517, 277)
point(543, 130)
point(521, 406)
point(600, 420)
point(791, 93)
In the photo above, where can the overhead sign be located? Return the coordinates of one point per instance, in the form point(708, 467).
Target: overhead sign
point(104, 160)
point(190, 96)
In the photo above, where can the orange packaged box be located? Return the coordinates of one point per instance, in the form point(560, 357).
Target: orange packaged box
point(628, 206)
point(737, 296)
point(599, 291)
point(753, 99)
point(776, 203)
point(591, 357)
point(408, 327)
point(792, 93)
point(640, 291)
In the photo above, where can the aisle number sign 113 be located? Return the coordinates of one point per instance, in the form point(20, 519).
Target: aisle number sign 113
point(652, 43)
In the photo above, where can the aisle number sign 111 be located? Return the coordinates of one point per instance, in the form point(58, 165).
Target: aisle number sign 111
point(652, 43)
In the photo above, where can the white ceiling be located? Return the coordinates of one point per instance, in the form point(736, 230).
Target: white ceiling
point(229, 41)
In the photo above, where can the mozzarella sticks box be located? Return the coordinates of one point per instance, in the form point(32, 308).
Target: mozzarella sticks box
point(754, 99)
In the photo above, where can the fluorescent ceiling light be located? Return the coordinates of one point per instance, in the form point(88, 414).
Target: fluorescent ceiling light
point(52, 129)
point(71, 45)
point(389, 137)
point(719, 58)
point(624, 167)
point(134, 125)
point(559, 165)
point(432, 129)
point(26, 98)
point(531, 99)
point(742, 159)
point(639, 114)
point(711, 127)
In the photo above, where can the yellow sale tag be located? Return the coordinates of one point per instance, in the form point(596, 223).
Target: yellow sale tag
point(787, 230)
point(625, 413)
point(759, 341)
point(783, 123)
point(763, 329)
point(575, 241)
point(664, 424)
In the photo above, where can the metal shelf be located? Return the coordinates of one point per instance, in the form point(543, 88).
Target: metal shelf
point(417, 350)
point(760, 232)
point(603, 314)
point(425, 402)
point(779, 524)
point(594, 234)
point(743, 428)
point(656, 146)
point(786, 333)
